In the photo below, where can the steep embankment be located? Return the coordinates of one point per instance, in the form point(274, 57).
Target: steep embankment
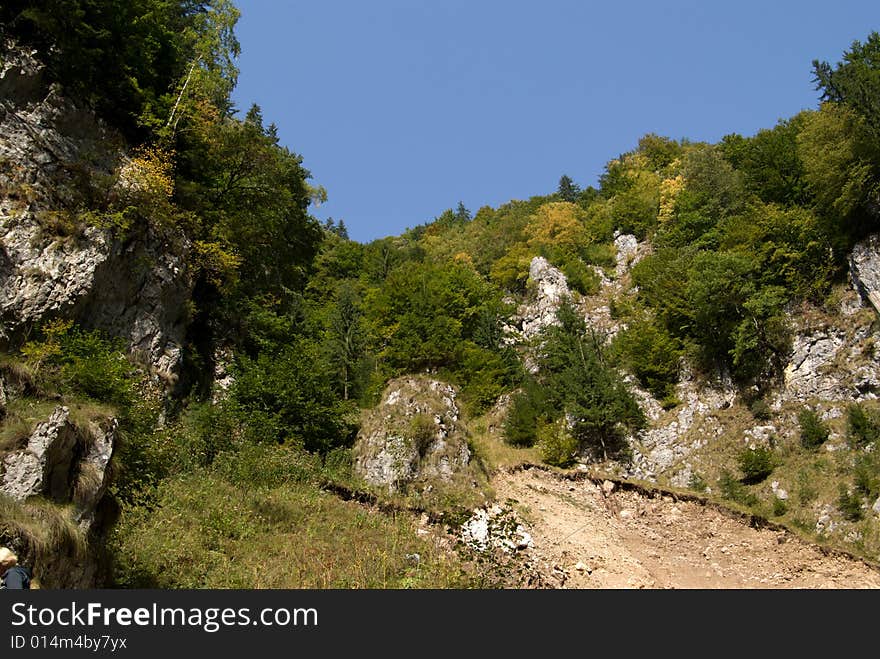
point(583, 536)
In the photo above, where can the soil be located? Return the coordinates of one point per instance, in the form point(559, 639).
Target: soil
point(586, 537)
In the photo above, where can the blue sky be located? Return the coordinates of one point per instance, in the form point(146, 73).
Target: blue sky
point(402, 108)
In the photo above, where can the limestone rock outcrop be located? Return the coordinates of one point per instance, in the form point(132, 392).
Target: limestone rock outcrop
point(55, 265)
point(414, 436)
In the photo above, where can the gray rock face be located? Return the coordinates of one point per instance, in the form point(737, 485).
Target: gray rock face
point(63, 462)
point(3, 399)
point(413, 436)
point(864, 269)
point(45, 466)
point(135, 288)
point(551, 288)
point(629, 252)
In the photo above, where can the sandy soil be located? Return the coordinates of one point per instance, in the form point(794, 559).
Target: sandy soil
point(585, 538)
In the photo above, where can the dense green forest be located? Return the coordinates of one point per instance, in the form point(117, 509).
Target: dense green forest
point(743, 232)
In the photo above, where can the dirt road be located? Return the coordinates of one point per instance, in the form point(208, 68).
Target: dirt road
point(583, 538)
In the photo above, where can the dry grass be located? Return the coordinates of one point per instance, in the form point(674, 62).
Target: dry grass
point(43, 534)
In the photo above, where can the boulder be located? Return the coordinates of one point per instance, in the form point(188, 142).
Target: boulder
point(63, 462)
point(45, 466)
point(415, 435)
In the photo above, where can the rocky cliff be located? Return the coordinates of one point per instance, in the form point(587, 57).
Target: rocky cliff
point(53, 263)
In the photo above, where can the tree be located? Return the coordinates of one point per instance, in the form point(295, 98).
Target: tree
point(346, 335)
point(568, 190)
point(582, 384)
point(855, 81)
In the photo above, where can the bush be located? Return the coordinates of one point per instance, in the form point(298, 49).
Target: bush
point(558, 446)
point(756, 464)
point(866, 472)
point(734, 490)
point(760, 410)
point(653, 355)
point(862, 426)
point(780, 507)
point(849, 504)
point(524, 416)
point(814, 432)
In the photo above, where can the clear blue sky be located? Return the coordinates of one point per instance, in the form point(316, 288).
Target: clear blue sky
point(402, 108)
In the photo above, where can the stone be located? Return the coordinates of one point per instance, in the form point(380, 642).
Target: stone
point(864, 270)
point(45, 466)
point(412, 436)
point(876, 507)
point(629, 252)
point(3, 399)
point(550, 289)
point(607, 487)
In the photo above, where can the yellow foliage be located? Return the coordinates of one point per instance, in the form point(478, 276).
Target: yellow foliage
point(150, 172)
point(558, 224)
point(669, 189)
point(220, 265)
point(464, 258)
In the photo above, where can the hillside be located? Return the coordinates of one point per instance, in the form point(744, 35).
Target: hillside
point(197, 374)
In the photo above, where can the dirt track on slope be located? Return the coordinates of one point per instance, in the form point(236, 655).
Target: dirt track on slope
point(583, 538)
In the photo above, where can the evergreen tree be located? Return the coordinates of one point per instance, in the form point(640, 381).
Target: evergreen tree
point(568, 190)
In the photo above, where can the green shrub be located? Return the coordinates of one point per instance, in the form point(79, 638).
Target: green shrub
point(862, 426)
point(653, 355)
point(524, 415)
point(557, 444)
point(756, 464)
point(697, 482)
point(814, 432)
point(760, 409)
point(866, 472)
point(849, 504)
point(734, 490)
point(780, 507)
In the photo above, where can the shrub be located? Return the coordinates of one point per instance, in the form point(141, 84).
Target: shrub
point(760, 410)
point(814, 432)
point(653, 355)
point(524, 415)
point(849, 504)
point(862, 426)
point(866, 472)
point(734, 490)
point(756, 464)
point(558, 446)
point(780, 507)
point(697, 482)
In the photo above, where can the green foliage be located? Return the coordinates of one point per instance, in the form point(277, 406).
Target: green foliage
point(527, 412)
point(849, 504)
point(289, 398)
point(770, 162)
point(122, 56)
point(780, 507)
point(568, 190)
point(866, 474)
point(734, 490)
point(652, 354)
point(558, 445)
point(697, 482)
point(582, 384)
point(855, 81)
point(756, 464)
point(862, 426)
point(814, 431)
